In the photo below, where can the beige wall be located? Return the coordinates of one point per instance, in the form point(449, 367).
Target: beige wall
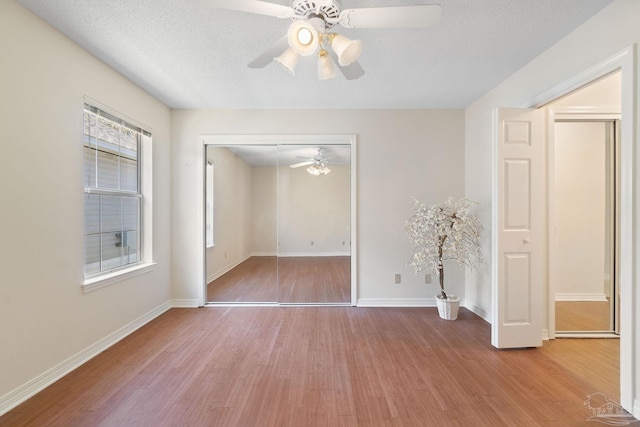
point(400, 154)
point(582, 49)
point(264, 211)
point(232, 212)
point(579, 196)
point(314, 212)
point(46, 319)
point(604, 93)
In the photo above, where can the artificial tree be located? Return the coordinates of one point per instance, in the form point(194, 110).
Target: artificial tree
point(443, 231)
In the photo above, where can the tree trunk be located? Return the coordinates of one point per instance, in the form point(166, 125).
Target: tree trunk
point(443, 294)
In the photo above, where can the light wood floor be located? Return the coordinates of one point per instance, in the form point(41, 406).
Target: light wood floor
point(296, 280)
point(582, 316)
point(325, 366)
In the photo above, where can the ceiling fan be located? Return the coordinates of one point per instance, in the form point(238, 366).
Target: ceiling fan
point(317, 164)
point(309, 33)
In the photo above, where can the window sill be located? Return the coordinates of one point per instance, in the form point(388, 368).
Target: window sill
point(96, 283)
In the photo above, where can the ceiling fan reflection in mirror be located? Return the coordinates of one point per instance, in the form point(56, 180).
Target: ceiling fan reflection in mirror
point(317, 164)
point(310, 32)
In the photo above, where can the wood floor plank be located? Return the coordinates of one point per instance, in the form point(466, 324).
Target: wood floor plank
point(325, 366)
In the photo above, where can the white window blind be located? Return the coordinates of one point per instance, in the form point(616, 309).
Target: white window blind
point(112, 192)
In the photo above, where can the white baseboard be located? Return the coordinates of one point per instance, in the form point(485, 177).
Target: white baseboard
point(185, 303)
point(226, 269)
point(478, 311)
point(545, 335)
point(593, 296)
point(636, 409)
point(24, 392)
point(264, 253)
point(396, 302)
point(312, 254)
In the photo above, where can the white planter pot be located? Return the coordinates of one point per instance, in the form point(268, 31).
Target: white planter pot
point(448, 308)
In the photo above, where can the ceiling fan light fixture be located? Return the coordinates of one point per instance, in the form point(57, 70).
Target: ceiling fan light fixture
point(303, 38)
point(326, 68)
point(347, 50)
point(289, 60)
point(318, 169)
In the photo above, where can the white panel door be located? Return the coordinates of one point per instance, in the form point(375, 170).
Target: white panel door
point(519, 230)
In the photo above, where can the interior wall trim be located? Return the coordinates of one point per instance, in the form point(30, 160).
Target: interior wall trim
point(226, 269)
point(398, 302)
point(39, 383)
point(565, 296)
point(486, 316)
point(185, 303)
point(311, 254)
point(287, 139)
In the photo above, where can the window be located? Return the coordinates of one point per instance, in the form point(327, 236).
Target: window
point(209, 204)
point(113, 198)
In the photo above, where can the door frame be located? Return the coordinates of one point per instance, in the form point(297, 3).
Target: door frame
point(625, 61)
point(275, 139)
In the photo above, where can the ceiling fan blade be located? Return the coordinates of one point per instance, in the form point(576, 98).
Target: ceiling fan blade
point(298, 165)
point(255, 6)
point(350, 72)
point(267, 56)
point(420, 16)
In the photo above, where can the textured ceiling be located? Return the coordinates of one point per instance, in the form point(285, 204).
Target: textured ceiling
point(190, 55)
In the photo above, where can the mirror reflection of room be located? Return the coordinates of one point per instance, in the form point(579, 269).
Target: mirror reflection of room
point(584, 225)
point(277, 227)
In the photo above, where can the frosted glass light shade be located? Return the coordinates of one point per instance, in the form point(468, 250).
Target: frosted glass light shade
point(303, 38)
point(318, 169)
point(289, 60)
point(347, 50)
point(326, 68)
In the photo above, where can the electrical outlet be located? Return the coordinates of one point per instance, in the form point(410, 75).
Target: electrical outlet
point(312, 243)
point(398, 278)
point(427, 279)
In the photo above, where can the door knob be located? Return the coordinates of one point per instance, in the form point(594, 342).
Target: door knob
point(526, 240)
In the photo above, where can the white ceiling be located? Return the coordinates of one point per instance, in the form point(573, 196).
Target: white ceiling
point(271, 155)
point(190, 55)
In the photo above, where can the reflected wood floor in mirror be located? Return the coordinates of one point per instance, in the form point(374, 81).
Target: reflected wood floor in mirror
point(254, 280)
point(294, 280)
point(314, 279)
point(325, 366)
point(582, 316)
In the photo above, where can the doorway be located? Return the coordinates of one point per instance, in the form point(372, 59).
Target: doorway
point(279, 220)
point(584, 210)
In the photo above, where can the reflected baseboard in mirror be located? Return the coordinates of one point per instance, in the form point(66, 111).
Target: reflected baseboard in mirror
point(302, 280)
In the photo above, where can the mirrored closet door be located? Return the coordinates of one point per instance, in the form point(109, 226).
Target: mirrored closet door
point(585, 217)
point(240, 224)
point(278, 223)
point(314, 217)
